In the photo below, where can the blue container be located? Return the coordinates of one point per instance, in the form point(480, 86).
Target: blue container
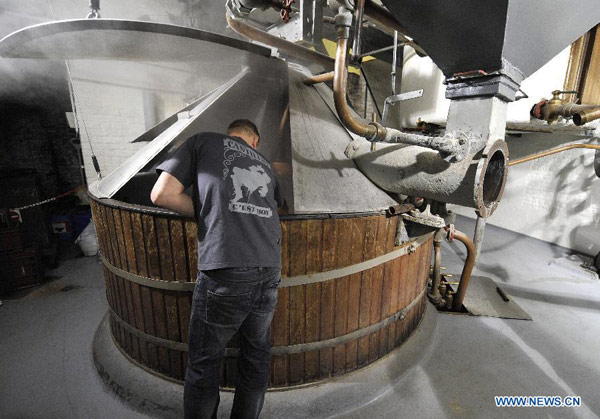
point(79, 221)
point(62, 227)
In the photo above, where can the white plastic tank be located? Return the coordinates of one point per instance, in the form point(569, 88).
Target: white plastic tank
point(422, 73)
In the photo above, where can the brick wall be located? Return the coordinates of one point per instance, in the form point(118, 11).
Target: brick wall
point(117, 101)
point(41, 140)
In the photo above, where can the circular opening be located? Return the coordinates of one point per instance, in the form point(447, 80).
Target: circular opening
point(577, 119)
point(494, 178)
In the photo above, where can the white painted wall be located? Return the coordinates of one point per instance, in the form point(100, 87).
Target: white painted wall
point(110, 106)
point(555, 199)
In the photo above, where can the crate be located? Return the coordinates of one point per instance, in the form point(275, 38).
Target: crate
point(20, 269)
point(10, 239)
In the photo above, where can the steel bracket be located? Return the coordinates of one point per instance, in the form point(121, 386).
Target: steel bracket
point(391, 100)
point(305, 26)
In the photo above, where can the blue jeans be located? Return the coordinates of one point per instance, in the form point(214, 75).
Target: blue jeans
point(225, 301)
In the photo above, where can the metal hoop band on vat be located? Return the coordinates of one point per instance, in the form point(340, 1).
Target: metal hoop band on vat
point(279, 350)
point(286, 281)
point(145, 281)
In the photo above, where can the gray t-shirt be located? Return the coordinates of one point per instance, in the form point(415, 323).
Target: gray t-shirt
point(236, 196)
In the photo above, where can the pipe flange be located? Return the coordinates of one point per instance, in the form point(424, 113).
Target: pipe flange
point(450, 230)
point(491, 174)
point(343, 19)
point(380, 132)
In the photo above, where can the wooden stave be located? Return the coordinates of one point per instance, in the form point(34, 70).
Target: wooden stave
point(130, 301)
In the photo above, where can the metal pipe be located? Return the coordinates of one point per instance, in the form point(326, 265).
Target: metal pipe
point(319, 78)
point(374, 131)
point(459, 297)
point(477, 181)
point(289, 47)
point(376, 51)
point(551, 110)
point(478, 235)
point(374, 101)
point(394, 63)
point(568, 109)
point(553, 151)
point(434, 293)
point(585, 116)
point(369, 131)
point(399, 209)
point(356, 36)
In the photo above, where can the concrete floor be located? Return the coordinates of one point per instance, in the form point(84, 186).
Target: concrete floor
point(47, 371)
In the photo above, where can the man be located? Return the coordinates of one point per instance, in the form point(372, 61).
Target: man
point(235, 201)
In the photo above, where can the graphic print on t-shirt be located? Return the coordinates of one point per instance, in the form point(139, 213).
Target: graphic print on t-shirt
point(248, 184)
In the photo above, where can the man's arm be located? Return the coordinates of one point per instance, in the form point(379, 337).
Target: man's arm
point(168, 192)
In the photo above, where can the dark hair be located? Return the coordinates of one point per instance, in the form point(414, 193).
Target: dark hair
point(243, 125)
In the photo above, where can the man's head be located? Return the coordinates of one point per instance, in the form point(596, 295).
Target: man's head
point(246, 130)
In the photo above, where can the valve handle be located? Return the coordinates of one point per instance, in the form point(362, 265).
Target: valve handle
point(564, 92)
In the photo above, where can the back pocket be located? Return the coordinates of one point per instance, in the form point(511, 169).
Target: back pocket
point(227, 310)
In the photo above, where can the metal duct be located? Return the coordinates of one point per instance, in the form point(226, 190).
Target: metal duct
point(515, 37)
point(476, 182)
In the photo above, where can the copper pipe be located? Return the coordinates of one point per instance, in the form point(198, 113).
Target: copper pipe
point(274, 41)
point(553, 151)
point(567, 109)
point(399, 209)
point(585, 116)
point(339, 93)
point(319, 78)
point(375, 131)
point(459, 297)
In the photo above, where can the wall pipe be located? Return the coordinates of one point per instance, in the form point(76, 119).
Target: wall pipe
point(465, 277)
point(553, 151)
point(265, 38)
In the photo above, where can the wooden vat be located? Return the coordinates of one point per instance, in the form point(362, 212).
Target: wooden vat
point(348, 295)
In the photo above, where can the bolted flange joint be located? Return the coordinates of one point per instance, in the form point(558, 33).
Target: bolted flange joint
point(379, 132)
